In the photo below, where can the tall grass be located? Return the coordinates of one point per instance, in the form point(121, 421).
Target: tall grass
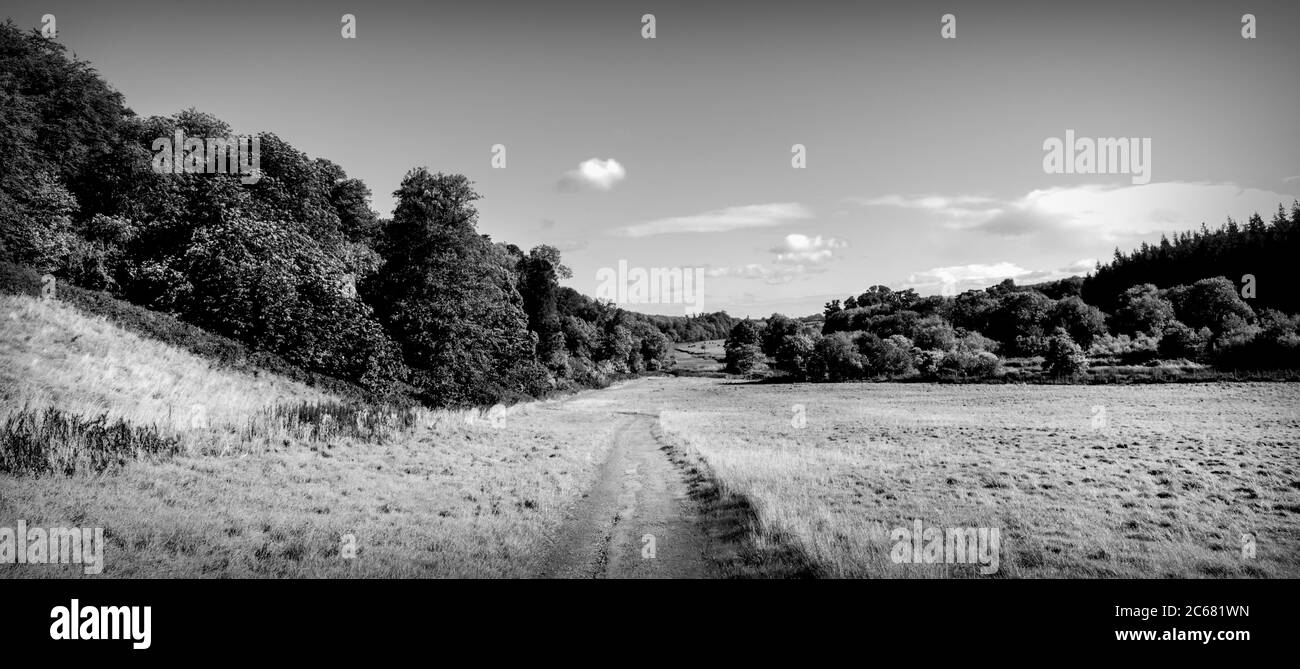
point(54, 441)
point(57, 442)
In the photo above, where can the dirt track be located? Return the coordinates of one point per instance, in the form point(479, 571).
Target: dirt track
point(637, 521)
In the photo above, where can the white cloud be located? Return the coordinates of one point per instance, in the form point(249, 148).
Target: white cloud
point(796, 248)
point(959, 278)
point(593, 173)
point(758, 272)
point(1095, 212)
point(721, 220)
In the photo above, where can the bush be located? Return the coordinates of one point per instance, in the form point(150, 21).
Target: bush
point(962, 365)
point(1082, 321)
point(793, 355)
point(970, 341)
point(1064, 358)
point(1126, 350)
point(1142, 310)
point(1180, 341)
point(838, 358)
point(934, 332)
point(927, 362)
point(1272, 344)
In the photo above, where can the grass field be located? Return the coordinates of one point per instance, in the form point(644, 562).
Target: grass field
point(1080, 481)
point(1083, 481)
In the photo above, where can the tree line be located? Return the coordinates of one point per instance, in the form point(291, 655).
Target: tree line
point(1166, 302)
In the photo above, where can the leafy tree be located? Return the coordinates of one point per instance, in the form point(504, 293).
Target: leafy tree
point(1082, 321)
point(838, 357)
point(743, 348)
point(934, 332)
point(777, 330)
point(1181, 341)
point(1064, 358)
point(1142, 309)
point(1019, 315)
point(1210, 303)
point(448, 295)
point(793, 354)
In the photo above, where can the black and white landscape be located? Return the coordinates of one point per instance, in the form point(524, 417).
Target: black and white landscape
point(662, 290)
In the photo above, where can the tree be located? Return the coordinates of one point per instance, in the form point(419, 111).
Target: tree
point(1142, 310)
point(775, 333)
point(1210, 303)
point(743, 349)
point(1064, 358)
point(838, 357)
point(449, 297)
point(793, 354)
point(1180, 341)
point(1019, 316)
point(934, 333)
point(1082, 321)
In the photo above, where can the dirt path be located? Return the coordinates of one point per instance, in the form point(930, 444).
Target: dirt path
point(637, 521)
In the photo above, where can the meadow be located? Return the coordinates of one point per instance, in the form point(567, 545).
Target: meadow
point(1083, 481)
point(1185, 480)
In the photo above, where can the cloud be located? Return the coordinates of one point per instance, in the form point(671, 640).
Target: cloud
point(721, 220)
point(758, 272)
point(796, 248)
point(1290, 179)
point(570, 245)
point(959, 278)
point(593, 174)
point(1091, 212)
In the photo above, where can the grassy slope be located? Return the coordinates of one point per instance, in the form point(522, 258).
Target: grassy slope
point(53, 355)
point(448, 499)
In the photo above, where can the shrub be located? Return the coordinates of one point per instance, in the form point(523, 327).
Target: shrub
point(1082, 321)
point(1126, 350)
point(927, 362)
point(1064, 358)
point(970, 341)
point(965, 365)
point(1180, 341)
point(838, 358)
point(793, 355)
point(934, 332)
point(1142, 310)
point(1272, 344)
point(1209, 303)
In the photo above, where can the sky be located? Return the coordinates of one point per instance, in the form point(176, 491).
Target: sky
point(924, 157)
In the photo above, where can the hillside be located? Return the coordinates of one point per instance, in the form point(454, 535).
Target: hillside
point(53, 355)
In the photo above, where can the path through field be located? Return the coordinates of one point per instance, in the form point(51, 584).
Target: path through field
point(638, 520)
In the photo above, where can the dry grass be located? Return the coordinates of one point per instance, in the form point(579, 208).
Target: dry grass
point(448, 494)
point(1166, 489)
point(55, 356)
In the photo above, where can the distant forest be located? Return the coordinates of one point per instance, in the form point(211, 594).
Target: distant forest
point(296, 263)
point(1218, 297)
